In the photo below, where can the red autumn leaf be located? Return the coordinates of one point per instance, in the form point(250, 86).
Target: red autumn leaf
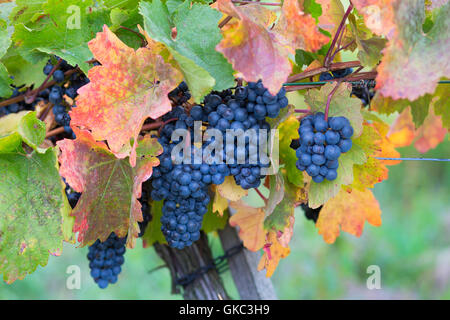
point(349, 212)
point(297, 29)
point(110, 186)
point(260, 53)
point(332, 12)
point(123, 92)
point(403, 73)
point(378, 15)
point(251, 223)
point(426, 137)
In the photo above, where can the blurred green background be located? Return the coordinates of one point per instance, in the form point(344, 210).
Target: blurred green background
point(412, 248)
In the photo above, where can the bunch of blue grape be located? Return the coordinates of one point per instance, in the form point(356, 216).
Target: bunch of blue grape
point(106, 259)
point(18, 106)
point(72, 196)
point(145, 208)
point(180, 94)
point(336, 74)
point(364, 90)
point(183, 187)
point(245, 108)
point(57, 92)
point(321, 144)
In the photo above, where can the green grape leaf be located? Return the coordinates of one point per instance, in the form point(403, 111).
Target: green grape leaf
point(25, 125)
point(370, 46)
point(23, 71)
point(153, 233)
point(34, 211)
point(288, 132)
point(196, 39)
point(279, 218)
point(442, 103)
point(5, 80)
point(27, 11)
point(110, 186)
point(63, 29)
point(213, 221)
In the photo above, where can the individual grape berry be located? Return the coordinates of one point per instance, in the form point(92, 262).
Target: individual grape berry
point(331, 175)
point(58, 76)
point(336, 123)
point(345, 145)
point(325, 76)
point(332, 152)
point(318, 178)
point(347, 132)
point(47, 69)
point(313, 170)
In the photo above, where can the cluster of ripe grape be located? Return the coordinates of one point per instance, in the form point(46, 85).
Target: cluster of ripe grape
point(184, 186)
point(105, 260)
point(320, 145)
point(245, 108)
point(64, 87)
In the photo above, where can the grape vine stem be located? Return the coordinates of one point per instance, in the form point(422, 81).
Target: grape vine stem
point(261, 195)
point(330, 95)
point(329, 56)
point(32, 97)
point(316, 71)
point(260, 3)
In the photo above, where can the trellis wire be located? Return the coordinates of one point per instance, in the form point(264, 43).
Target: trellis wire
point(325, 82)
point(413, 159)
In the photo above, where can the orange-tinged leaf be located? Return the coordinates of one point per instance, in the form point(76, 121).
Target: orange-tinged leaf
point(375, 142)
point(256, 51)
point(298, 30)
point(349, 212)
point(426, 137)
point(251, 223)
point(251, 48)
point(378, 15)
point(273, 253)
point(413, 61)
point(332, 13)
point(284, 237)
point(110, 186)
point(123, 92)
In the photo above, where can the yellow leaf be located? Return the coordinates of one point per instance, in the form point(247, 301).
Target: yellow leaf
point(348, 211)
point(273, 252)
point(230, 190)
point(220, 204)
point(251, 223)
